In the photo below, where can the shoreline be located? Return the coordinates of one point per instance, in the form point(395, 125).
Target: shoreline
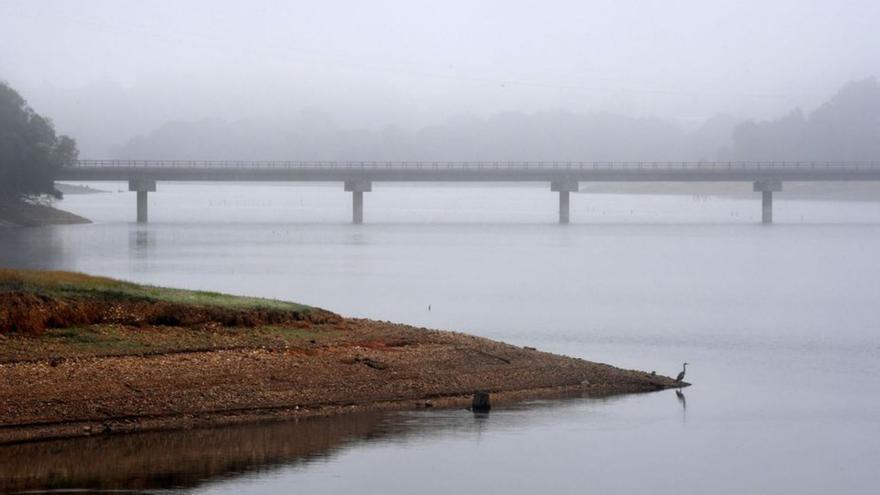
point(26, 214)
point(111, 357)
point(65, 430)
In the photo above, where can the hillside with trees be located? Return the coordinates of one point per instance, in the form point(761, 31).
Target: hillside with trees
point(845, 128)
point(30, 151)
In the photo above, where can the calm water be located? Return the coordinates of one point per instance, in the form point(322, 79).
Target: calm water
point(781, 326)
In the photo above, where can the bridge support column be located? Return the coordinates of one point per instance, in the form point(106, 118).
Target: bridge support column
point(767, 188)
point(142, 187)
point(357, 189)
point(564, 188)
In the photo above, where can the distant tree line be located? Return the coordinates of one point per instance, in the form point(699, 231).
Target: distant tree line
point(845, 128)
point(30, 152)
point(550, 135)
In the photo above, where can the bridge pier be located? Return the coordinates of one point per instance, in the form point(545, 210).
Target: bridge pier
point(767, 188)
point(357, 189)
point(564, 188)
point(142, 187)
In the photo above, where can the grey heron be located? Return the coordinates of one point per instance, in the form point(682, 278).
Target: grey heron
point(680, 376)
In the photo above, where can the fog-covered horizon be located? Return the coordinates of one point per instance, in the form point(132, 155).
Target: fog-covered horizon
point(112, 72)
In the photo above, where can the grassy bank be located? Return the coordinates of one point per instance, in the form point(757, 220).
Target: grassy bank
point(73, 286)
point(34, 301)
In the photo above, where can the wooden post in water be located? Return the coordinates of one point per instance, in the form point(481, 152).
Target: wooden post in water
point(481, 402)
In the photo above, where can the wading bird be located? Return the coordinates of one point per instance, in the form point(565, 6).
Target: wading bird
point(680, 376)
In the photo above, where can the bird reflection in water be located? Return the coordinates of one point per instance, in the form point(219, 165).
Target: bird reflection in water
point(681, 398)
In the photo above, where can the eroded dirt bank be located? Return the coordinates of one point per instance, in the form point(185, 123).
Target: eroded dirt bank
point(132, 363)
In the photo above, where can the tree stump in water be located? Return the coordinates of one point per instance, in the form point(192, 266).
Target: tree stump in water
point(481, 402)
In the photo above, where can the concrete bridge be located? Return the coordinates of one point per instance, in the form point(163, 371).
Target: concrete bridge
point(562, 177)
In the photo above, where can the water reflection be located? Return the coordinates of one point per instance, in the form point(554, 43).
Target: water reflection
point(187, 459)
point(481, 422)
point(176, 459)
point(140, 242)
point(679, 395)
point(32, 248)
point(681, 399)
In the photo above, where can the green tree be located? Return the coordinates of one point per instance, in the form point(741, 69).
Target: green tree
point(30, 152)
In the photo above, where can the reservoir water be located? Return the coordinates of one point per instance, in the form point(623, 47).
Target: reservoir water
point(781, 325)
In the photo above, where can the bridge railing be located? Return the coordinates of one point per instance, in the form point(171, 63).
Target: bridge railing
point(475, 165)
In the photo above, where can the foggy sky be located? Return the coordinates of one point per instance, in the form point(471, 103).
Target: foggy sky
point(109, 70)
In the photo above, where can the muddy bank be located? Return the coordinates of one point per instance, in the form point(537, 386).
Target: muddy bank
point(99, 363)
point(24, 214)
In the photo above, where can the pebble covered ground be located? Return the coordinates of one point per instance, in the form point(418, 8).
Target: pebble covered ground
point(57, 390)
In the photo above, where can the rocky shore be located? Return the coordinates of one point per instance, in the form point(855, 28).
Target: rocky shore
point(84, 355)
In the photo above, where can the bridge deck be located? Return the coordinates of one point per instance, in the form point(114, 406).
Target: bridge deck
point(563, 177)
point(177, 170)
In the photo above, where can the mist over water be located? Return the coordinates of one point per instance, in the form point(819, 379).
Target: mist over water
point(778, 323)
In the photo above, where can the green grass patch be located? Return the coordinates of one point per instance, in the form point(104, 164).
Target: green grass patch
point(95, 339)
point(77, 285)
point(73, 335)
